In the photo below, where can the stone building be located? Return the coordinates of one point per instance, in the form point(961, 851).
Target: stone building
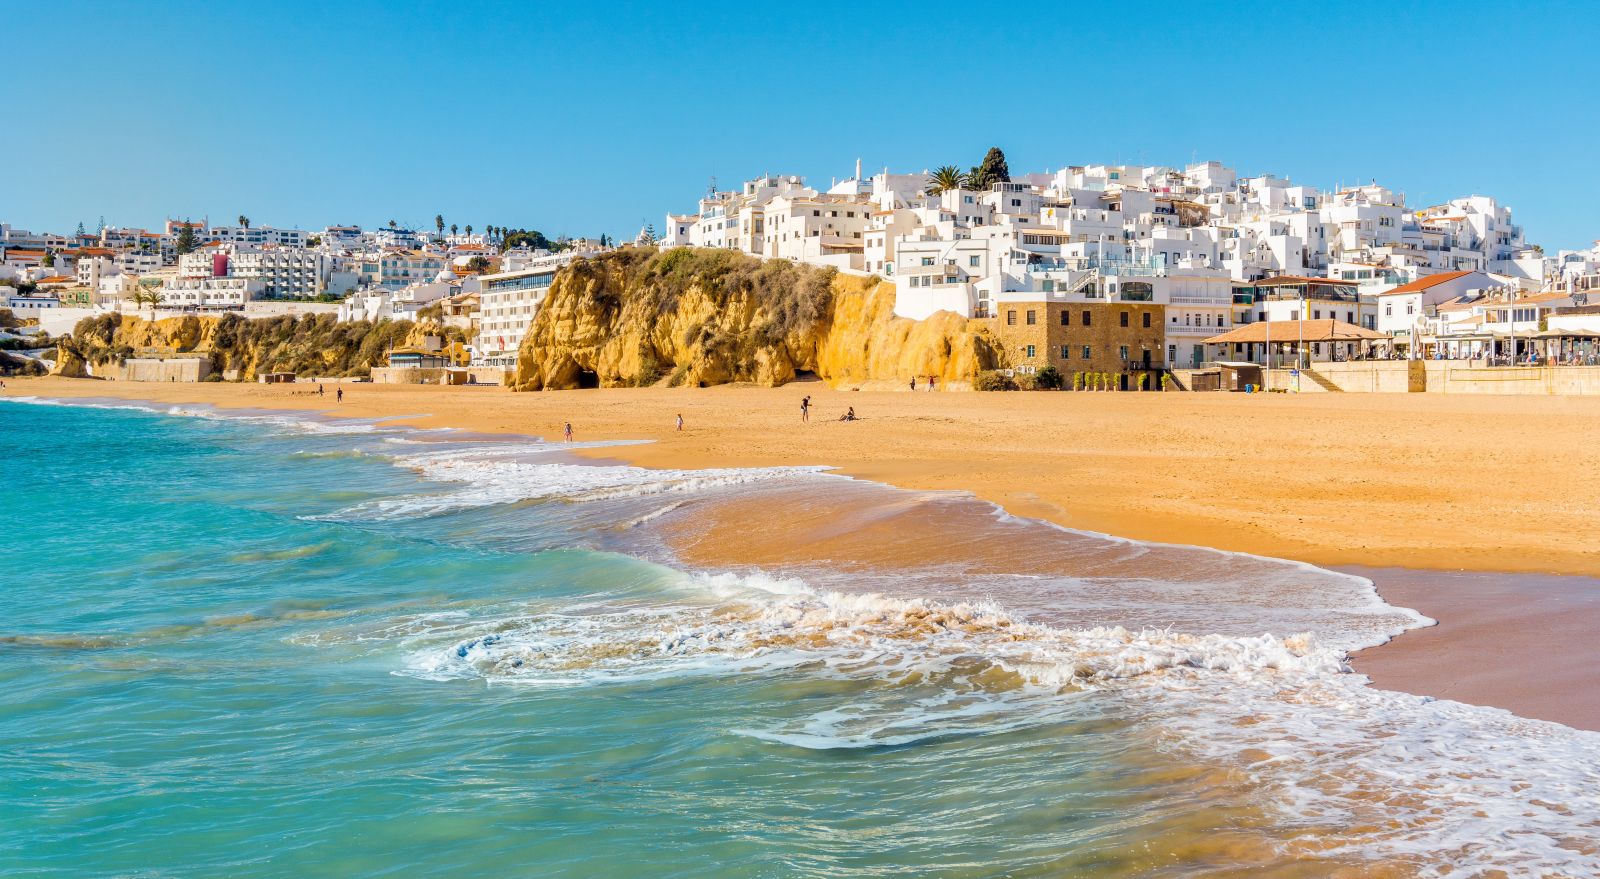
point(1121, 338)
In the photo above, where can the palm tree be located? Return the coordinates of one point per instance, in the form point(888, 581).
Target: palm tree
point(151, 298)
point(393, 224)
point(469, 230)
point(438, 223)
point(244, 221)
point(943, 179)
point(453, 229)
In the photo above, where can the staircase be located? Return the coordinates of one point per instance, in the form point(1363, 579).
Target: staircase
point(1321, 381)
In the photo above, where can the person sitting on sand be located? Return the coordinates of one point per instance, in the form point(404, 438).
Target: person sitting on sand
point(849, 416)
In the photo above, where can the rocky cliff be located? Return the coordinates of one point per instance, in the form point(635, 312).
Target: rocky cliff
point(309, 345)
point(701, 317)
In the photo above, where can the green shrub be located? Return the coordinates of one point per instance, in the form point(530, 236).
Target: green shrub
point(1048, 379)
point(993, 380)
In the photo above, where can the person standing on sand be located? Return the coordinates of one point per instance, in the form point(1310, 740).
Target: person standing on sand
point(569, 431)
point(930, 384)
point(680, 422)
point(338, 395)
point(805, 408)
point(913, 384)
point(320, 391)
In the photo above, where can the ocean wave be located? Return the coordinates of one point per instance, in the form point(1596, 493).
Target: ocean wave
point(495, 476)
point(1444, 786)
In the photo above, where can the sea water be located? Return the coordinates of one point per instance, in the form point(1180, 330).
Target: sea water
point(258, 644)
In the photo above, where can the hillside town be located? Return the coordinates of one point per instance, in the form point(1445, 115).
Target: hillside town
point(1133, 272)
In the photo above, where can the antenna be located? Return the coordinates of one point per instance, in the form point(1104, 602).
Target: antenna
point(711, 188)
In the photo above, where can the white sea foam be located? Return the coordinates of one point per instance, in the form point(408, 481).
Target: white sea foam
point(1444, 785)
point(495, 475)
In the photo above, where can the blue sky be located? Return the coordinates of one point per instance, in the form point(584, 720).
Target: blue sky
point(586, 118)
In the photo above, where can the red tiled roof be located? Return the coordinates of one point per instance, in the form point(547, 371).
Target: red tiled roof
point(1428, 281)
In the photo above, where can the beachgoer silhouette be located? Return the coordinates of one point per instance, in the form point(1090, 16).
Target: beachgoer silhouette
point(680, 421)
point(913, 383)
point(338, 395)
point(805, 408)
point(569, 431)
point(321, 392)
point(930, 384)
point(849, 416)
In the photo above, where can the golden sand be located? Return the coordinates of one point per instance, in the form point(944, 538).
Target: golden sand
point(1493, 483)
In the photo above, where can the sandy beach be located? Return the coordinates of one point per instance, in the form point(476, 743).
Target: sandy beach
point(1446, 483)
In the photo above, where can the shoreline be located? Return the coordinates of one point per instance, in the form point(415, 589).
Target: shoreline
point(757, 427)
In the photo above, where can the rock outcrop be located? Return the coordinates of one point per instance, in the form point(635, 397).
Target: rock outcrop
point(308, 345)
point(686, 317)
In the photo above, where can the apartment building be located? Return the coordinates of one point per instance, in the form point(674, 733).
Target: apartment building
point(508, 302)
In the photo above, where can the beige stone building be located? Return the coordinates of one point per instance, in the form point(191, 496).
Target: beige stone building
point(1121, 338)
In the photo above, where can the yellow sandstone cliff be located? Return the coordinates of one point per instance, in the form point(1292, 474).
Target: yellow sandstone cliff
point(308, 345)
point(702, 317)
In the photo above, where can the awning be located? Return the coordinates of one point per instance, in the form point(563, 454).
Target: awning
point(1285, 331)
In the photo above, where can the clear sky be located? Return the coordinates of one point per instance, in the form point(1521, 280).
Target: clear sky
point(586, 118)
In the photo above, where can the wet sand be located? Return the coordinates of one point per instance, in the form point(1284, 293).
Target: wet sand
point(1477, 483)
point(1525, 642)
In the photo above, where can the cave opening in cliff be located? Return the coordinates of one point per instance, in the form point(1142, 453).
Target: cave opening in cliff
point(588, 379)
point(805, 375)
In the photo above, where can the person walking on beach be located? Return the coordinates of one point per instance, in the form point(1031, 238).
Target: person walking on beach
point(805, 408)
point(930, 384)
point(680, 422)
point(338, 395)
point(569, 431)
point(321, 392)
point(913, 384)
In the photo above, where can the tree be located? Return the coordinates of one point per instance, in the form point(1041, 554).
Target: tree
point(49, 260)
point(80, 229)
point(1048, 379)
point(469, 230)
point(185, 238)
point(438, 223)
point(314, 241)
point(393, 224)
point(454, 229)
point(992, 169)
point(244, 221)
point(479, 264)
point(944, 179)
point(151, 297)
point(1166, 380)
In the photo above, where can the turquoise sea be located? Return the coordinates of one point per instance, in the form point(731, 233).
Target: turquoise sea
point(257, 644)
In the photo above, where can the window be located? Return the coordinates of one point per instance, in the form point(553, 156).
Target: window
point(1316, 314)
point(1066, 320)
point(1032, 318)
point(1122, 318)
point(1016, 202)
point(927, 260)
point(1011, 318)
point(1388, 310)
point(1410, 309)
point(1086, 322)
point(1294, 314)
point(1122, 351)
point(973, 261)
point(1147, 320)
point(1066, 352)
point(1030, 350)
point(1086, 352)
